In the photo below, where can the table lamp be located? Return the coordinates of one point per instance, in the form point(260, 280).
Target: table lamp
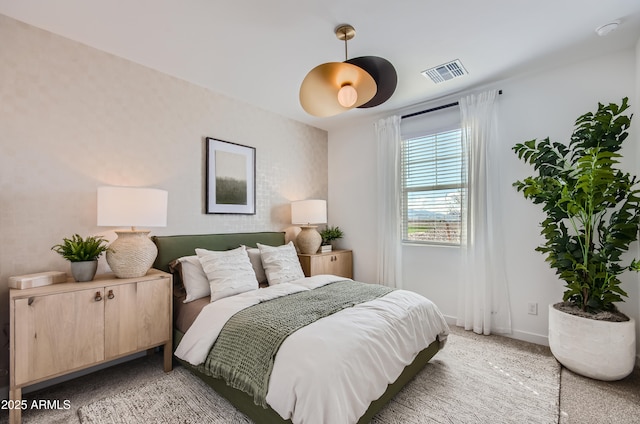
point(305, 213)
point(132, 254)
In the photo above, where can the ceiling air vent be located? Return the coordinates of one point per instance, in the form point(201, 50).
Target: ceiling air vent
point(445, 72)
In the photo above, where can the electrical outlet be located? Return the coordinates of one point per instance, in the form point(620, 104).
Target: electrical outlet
point(532, 308)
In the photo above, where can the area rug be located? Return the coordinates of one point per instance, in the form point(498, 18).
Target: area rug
point(475, 379)
point(480, 379)
point(176, 397)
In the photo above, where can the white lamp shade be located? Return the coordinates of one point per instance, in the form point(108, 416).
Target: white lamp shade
point(132, 206)
point(304, 212)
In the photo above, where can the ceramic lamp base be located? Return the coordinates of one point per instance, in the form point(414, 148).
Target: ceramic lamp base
point(132, 254)
point(309, 240)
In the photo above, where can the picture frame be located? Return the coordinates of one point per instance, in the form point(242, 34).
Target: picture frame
point(230, 178)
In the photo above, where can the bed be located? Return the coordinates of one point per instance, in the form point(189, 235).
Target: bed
point(299, 385)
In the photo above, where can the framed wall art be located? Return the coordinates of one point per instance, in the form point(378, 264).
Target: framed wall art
point(231, 178)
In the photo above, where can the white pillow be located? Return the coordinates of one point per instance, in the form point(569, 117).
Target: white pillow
point(229, 272)
point(194, 279)
point(256, 263)
point(280, 263)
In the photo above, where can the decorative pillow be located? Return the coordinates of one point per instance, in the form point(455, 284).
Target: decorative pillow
point(280, 263)
point(229, 272)
point(193, 278)
point(256, 263)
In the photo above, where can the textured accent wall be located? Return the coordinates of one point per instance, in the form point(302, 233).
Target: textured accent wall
point(73, 118)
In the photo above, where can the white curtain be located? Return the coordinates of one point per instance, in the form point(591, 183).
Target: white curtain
point(483, 298)
point(389, 215)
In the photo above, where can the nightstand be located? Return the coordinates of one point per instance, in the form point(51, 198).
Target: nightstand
point(337, 262)
point(61, 328)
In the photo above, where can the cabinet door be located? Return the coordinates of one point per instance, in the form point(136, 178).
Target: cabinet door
point(57, 333)
point(154, 311)
point(337, 263)
point(322, 264)
point(340, 263)
point(121, 332)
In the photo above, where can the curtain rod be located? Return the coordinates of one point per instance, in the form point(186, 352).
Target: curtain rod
point(433, 109)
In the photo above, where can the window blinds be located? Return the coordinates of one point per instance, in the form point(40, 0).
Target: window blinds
point(432, 184)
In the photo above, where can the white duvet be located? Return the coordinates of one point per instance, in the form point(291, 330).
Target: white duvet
point(331, 370)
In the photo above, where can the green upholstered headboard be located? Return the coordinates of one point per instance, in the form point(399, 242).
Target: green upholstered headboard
point(174, 247)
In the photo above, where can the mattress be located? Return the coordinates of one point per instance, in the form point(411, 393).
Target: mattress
point(185, 313)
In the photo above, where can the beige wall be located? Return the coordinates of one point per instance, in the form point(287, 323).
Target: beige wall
point(73, 118)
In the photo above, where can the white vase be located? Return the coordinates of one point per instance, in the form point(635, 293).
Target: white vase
point(602, 350)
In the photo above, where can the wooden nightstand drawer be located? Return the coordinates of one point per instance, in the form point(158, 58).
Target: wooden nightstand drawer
point(337, 262)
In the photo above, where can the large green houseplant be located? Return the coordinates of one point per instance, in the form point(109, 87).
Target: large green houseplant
point(592, 209)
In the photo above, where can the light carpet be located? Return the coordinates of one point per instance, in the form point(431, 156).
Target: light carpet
point(177, 397)
point(475, 379)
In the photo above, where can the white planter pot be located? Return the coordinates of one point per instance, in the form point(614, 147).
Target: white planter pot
point(601, 350)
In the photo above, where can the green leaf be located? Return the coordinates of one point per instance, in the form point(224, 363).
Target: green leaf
point(592, 207)
point(77, 249)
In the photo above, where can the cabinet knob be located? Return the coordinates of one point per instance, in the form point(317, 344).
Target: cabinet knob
point(110, 295)
point(30, 301)
point(98, 297)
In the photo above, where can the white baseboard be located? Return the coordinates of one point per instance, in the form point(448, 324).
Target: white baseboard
point(529, 337)
point(450, 320)
point(518, 335)
point(4, 391)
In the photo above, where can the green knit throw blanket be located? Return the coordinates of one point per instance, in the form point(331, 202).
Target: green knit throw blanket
point(244, 353)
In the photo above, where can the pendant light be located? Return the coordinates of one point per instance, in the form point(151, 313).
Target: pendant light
point(383, 73)
point(336, 87)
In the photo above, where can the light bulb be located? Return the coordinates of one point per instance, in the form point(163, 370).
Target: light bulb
point(347, 95)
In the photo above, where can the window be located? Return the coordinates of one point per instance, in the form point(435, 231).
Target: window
point(432, 188)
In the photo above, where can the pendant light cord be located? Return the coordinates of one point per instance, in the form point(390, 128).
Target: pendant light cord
point(346, 56)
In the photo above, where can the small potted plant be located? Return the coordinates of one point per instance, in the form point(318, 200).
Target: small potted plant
point(328, 235)
point(83, 255)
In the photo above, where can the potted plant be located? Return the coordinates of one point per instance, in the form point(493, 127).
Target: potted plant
point(328, 235)
point(83, 255)
point(592, 216)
